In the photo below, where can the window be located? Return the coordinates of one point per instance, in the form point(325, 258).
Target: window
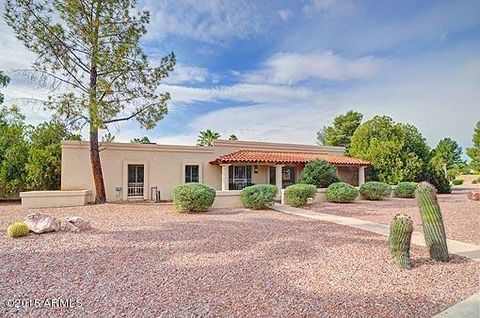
point(192, 173)
point(239, 177)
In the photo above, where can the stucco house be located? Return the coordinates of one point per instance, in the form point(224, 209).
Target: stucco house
point(131, 170)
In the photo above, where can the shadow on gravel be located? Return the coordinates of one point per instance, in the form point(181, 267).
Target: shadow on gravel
point(454, 259)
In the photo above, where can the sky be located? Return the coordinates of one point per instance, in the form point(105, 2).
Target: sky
point(280, 70)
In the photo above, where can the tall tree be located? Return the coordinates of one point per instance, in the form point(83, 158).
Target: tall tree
point(89, 54)
point(342, 130)
point(474, 151)
point(207, 137)
point(446, 154)
point(397, 152)
point(142, 140)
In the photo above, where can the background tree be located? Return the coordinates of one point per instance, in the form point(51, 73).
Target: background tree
point(43, 169)
point(89, 55)
point(342, 130)
point(474, 151)
point(446, 153)
point(13, 152)
point(397, 152)
point(4, 80)
point(207, 137)
point(232, 137)
point(141, 140)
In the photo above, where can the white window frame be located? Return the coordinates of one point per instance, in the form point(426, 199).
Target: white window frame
point(200, 170)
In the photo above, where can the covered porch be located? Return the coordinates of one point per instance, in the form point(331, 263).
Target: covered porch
point(243, 168)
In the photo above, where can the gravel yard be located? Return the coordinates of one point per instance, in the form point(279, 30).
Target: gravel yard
point(461, 215)
point(147, 260)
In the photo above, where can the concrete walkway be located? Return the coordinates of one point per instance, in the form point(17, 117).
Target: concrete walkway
point(454, 247)
point(467, 308)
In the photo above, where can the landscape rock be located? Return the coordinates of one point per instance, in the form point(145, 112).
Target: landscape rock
point(474, 195)
point(41, 223)
point(74, 224)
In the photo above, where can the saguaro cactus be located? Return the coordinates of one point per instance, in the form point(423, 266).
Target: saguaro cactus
point(399, 240)
point(433, 228)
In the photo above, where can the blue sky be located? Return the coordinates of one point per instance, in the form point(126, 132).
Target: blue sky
point(280, 70)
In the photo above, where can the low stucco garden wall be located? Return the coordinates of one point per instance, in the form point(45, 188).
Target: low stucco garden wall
point(54, 199)
point(227, 199)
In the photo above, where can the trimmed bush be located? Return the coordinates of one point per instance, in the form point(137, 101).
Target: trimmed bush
point(298, 194)
point(17, 229)
point(193, 197)
point(259, 196)
point(405, 190)
point(341, 192)
point(319, 173)
point(374, 190)
point(457, 181)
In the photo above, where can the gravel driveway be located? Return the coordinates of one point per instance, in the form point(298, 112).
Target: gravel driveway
point(461, 215)
point(145, 260)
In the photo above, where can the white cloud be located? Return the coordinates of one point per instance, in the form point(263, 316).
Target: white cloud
point(206, 21)
point(187, 74)
point(291, 68)
point(285, 14)
point(243, 92)
point(329, 7)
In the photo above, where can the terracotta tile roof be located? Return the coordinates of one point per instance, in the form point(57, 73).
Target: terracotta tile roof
point(285, 158)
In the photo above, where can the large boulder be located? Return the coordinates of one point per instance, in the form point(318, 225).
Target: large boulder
point(74, 224)
point(474, 195)
point(41, 223)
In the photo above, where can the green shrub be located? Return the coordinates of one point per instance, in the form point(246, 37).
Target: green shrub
point(475, 181)
point(457, 181)
point(17, 229)
point(298, 194)
point(193, 197)
point(258, 197)
point(405, 190)
point(437, 179)
point(374, 190)
point(319, 173)
point(341, 192)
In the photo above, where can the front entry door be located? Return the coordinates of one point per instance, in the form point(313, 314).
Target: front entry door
point(135, 181)
point(288, 176)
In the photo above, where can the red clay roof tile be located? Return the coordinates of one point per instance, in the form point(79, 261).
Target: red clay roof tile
point(277, 157)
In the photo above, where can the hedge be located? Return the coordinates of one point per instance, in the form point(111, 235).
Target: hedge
point(341, 192)
point(405, 190)
point(374, 190)
point(298, 194)
point(193, 197)
point(259, 196)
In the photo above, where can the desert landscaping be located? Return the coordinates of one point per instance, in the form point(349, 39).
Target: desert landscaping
point(146, 259)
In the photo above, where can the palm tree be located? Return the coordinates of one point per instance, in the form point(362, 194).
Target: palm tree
point(141, 140)
point(207, 137)
point(232, 137)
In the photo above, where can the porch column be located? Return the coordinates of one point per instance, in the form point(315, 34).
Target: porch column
point(361, 175)
point(278, 177)
point(225, 176)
